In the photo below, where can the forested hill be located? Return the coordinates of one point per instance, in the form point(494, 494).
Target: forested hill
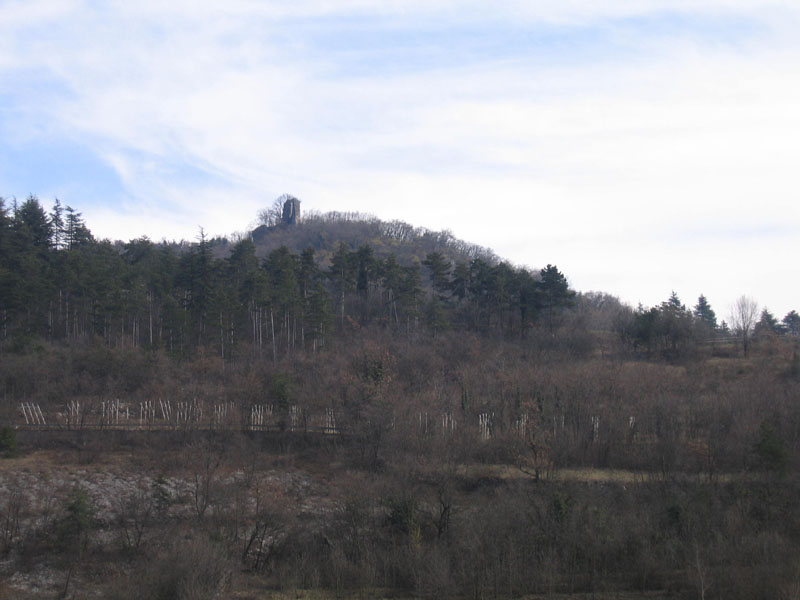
point(283, 288)
point(346, 405)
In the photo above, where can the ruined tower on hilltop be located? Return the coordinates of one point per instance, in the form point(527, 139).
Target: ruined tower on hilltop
point(291, 210)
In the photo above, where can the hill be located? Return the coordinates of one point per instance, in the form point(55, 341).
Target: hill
point(348, 407)
point(324, 232)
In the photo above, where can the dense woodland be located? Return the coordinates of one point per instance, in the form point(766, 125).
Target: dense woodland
point(499, 434)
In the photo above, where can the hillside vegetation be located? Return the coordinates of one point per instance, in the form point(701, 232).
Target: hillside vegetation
point(362, 411)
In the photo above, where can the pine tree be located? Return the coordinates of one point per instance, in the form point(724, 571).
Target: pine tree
point(281, 266)
point(767, 323)
point(342, 274)
point(75, 231)
point(705, 313)
point(439, 271)
point(34, 224)
point(791, 323)
point(554, 293)
point(58, 224)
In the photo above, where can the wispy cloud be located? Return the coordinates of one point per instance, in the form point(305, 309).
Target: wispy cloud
point(613, 134)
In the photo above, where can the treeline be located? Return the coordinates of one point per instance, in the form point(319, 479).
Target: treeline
point(673, 331)
point(60, 283)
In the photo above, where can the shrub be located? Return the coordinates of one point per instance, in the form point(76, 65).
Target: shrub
point(8, 442)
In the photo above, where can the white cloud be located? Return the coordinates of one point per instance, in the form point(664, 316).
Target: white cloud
point(609, 166)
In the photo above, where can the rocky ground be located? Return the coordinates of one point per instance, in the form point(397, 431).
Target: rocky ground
point(134, 505)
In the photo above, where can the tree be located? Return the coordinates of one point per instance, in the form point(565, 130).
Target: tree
point(529, 304)
point(74, 528)
point(75, 231)
point(33, 221)
point(391, 281)
point(673, 303)
point(409, 293)
point(8, 442)
point(439, 268)
point(704, 313)
point(770, 449)
point(791, 323)
point(315, 299)
point(459, 286)
point(743, 319)
point(281, 265)
point(273, 215)
point(366, 268)
point(643, 328)
point(195, 276)
point(57, 222)
point(767, 323)
point(555, 292)
point(8, 276)
point(724, 330)
point(674, 326)
point(342, 274)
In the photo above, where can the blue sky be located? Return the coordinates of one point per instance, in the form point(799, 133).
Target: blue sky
point(643, 147)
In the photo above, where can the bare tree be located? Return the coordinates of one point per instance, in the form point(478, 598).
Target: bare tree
point(274, 214)
point(744, 313)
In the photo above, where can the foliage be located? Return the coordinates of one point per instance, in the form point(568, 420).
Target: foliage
point(770, 450)
point(705, 314)
point(62, 284)
point(77, 522)
point(8, 442)
point(669, 330)
point(791, 323)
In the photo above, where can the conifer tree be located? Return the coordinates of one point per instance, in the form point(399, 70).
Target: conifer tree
point(705, 313)
point(439, 271)
point(791, 323)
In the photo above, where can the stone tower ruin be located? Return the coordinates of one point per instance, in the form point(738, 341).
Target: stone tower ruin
point(291, 210)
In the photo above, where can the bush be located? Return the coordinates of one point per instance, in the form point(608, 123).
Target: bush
point(8, 442)
point(189, 569)
point(770, 450)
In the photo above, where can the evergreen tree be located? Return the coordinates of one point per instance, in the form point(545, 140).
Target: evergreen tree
point(704, 313)
point(58, 224)
point(409, 293)
point(674, 327)
point(76, 233)
point(33, 223)
point(482, 287)
point(391, 279)
point(195, 279)
point(791, 323)
point(439, 271)
point(342, 275)
point(435, 315)
point(459, 285)
point(554, 293)
point(8, 279)
point(724, 330)
point(366, 270)
point(767, 323)
point(503, 293)
point(281, 266)
point(529, 299)
point(315, 300)
point(673, 303)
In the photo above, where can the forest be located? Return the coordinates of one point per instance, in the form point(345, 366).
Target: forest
point(346, 407)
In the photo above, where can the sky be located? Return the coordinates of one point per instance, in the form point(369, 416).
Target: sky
point(641, 146)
